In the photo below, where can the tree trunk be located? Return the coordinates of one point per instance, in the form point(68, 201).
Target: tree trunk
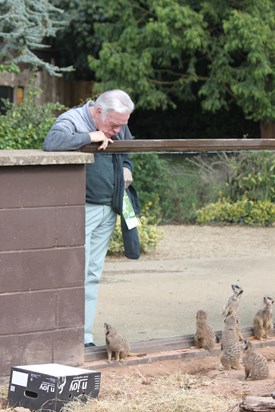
point(257, 404)
point(268, 129)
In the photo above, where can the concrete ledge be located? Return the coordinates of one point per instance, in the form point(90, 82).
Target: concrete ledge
point(39, 157)
point(184, 353)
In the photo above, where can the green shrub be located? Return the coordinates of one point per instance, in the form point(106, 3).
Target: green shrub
point(169, 187)
point(9, 68)
point(244, 211)
point(173, 187)
point(235, 175)
point(150, 181)
point(184, 192)
point(149, 236)
point(252, 174)
point(25, 126)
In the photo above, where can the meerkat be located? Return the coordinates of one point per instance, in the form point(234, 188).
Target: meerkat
point(205, 336)
point(263, 323)
point(117, 344)
point(255, 364)
point(230, 345)
point(232, 307)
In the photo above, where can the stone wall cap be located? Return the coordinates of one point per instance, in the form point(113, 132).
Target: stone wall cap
point(39, 157)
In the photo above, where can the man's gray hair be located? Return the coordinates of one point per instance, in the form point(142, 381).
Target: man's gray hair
point(115, 100)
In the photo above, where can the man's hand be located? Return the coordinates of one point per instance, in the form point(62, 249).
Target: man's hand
point(100, 137)
point(128, 178)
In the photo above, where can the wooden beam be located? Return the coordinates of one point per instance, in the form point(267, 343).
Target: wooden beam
point(182, 145)
point(257, 404)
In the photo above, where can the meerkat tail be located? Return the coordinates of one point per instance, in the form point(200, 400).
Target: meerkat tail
point(136, 354)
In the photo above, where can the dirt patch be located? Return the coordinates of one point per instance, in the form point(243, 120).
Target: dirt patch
point(195, 384)
point(207, 372)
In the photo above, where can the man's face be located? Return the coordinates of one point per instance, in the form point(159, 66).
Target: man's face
point(111, 123)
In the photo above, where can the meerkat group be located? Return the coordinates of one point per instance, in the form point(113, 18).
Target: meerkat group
point(234, 349)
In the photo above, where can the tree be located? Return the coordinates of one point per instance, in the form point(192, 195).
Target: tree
point(24, 24)
point(78, 39)
point(162, 51)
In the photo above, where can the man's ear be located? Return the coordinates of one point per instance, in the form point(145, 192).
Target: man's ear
point(98, 111)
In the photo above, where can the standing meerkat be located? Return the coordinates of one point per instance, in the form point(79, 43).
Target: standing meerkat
point(263, 323)
point(230, 345)
point(117, 344)
point(205, 336)
point(232, 307)
point(255, 364)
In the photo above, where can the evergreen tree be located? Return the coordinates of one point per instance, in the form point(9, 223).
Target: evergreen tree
point(78, 39)
point(24, 24)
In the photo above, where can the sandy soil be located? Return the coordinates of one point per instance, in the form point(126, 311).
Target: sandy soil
point(192, 268)
point(201, 242)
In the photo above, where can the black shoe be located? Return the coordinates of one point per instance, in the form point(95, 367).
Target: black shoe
point(88, 345)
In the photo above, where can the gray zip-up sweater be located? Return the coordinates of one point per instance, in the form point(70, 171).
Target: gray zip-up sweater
point(104, 177)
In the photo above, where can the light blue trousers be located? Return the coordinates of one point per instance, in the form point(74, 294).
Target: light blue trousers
point(99, 225)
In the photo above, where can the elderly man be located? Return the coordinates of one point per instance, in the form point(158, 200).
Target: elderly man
point(102, 121)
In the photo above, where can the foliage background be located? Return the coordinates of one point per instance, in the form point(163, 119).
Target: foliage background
point(25, 126)
point(163, 51)
point(172, 188)
point(195, 70)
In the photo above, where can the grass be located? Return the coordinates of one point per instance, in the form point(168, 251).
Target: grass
point(177, 392)
point(172, 393)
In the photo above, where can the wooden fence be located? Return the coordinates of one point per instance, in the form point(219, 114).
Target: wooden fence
point(183, 145)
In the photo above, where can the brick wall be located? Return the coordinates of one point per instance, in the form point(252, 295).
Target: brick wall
point(41, 264)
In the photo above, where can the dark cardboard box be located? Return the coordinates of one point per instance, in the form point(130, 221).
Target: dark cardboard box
point(48, 387)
